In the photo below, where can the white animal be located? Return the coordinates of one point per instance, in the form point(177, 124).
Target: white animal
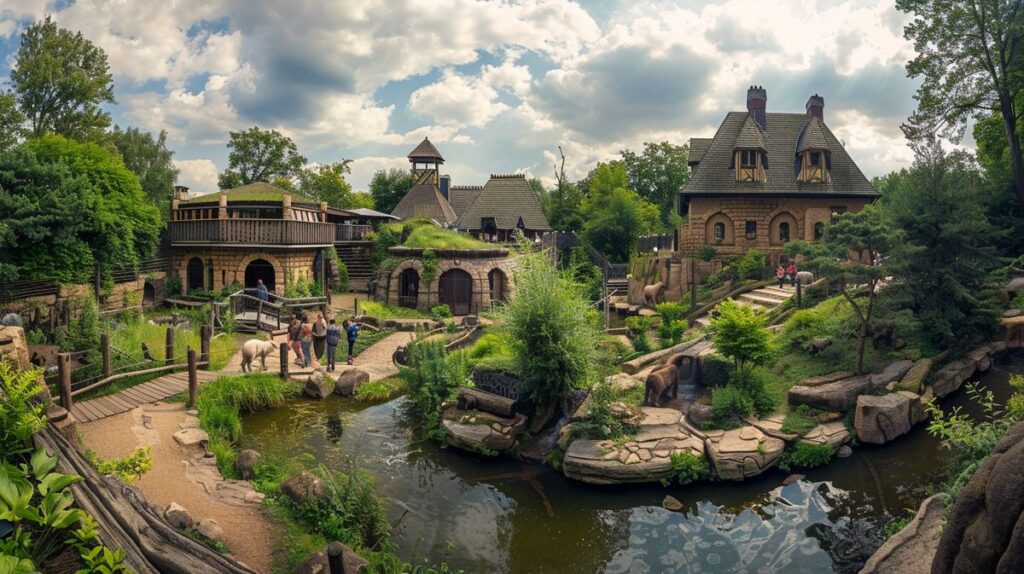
point(256, 348)
point(805, 277)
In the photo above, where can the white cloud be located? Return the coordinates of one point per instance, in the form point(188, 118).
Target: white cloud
point(199, 175)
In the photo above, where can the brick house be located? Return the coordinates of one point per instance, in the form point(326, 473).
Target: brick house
point(767, 178)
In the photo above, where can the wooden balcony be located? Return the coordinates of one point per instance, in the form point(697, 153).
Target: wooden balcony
point(350, 232)
point(251, 232)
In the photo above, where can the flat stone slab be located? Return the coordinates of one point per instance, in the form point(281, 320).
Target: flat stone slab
point(191, 436)
point(743, 452)
point(825, 379)
point(834, 434)
point(772, 426)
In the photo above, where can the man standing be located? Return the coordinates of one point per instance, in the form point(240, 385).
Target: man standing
point(261, 290)
point(353, 333)
point(333, 338)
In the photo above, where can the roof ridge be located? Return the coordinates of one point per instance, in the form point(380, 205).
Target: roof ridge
point(508, 176)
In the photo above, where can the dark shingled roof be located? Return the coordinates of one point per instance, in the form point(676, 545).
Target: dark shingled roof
point(750, 136)
point(426, 150)
point(462, 196)
point(812, 137)
point(425, 201)
point(782, 136)
point(506, 198)
point(698, 146)
point(258, 192)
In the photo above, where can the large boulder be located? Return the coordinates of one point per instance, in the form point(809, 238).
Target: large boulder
point(880, 419)
point(834, 434)
point(842, 395)
point(317, 563)
point(350, 380)
point(303, 486)
point(743, 452)
point(698, 413)
point(245, 464)
point(211, 529)
point(178, 517)
point(317, 385)
point(477, 431)
point(985, 531)
point(913, 381)
point(952, 376)
point(911, 550)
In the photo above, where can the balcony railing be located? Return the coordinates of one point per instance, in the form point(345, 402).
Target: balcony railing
point(251, 232)
point(351, 232)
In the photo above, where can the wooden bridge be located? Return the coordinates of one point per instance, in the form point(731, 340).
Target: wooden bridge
point(149, 392)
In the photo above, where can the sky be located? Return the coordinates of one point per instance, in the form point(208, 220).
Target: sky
point(497, 86)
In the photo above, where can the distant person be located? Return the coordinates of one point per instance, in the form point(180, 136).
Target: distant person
point(261, 291)
point(791, 273)
point(295, 339)
point(332, 340)
point(780, 274)
point(352, 329)
point(319, 336)
point(307, 345)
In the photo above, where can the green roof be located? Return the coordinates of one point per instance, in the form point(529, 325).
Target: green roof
point(254, 192)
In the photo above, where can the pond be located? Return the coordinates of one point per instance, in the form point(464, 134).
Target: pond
point(500, 515)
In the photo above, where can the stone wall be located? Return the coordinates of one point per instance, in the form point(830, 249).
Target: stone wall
point(670, 268)
point(768, 213)
point(229, 264)
point(479, 270)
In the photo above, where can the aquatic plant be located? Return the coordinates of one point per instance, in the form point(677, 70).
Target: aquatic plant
point(805, 455)
point(688, 467)
point(433, 379)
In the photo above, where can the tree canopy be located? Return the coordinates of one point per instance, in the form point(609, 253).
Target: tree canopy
point(389, 187)
point(151, 161)
point(12, 122)
point(614, 216)
point(326, 182)
point(60, 80)
point(740, 334)
point(47, 186)
point(260, 155)
point(657, 174)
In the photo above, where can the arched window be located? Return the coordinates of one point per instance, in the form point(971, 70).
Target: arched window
point(784, 232)
point(819, 230)
point(194, 274)
point(408, 288)
point(719, 232)
point(496, 282)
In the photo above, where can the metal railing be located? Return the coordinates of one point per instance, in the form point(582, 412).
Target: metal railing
point(251, 232)
point(648, 243)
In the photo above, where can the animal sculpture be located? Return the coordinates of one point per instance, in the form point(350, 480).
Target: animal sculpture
point(660, 381)
point(805, 277)
point(651, 293)
point(256, 348)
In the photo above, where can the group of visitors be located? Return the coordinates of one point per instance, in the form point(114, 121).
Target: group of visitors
point(786, 273)
point(316, 340)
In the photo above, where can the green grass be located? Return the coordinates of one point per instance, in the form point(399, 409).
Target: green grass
point(385, 311)
point(381, 390)
point(251, 192)
point(799, 420)
point(129, 337)
point(431, 237)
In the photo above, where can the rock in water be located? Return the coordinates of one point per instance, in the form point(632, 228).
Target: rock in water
point(792, 478)
point(350, 380)
point(316, 385)
point(844, 452)
point(672, 503)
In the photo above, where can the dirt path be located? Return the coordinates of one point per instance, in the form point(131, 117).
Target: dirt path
point(176, 476)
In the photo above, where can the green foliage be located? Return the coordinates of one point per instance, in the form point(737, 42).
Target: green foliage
point(82, 333)
point(215, 545)
point(586, 273)
point(433, 237)
point(750, 265)
point(706, 252)
point(805, 455)
point(297, 288)
point(20, 416)
point(657, 174)
point(326, 182)
point(491, 349)
point(688, 467)
point(799, 420)
point(893, 527)
point(745, 395)
point(385, 311)
point(46, 185)
point(12, 122)
point(389, 187)
point(715, 371)
point(439, 312)
point(740, 334)
point(172, 286)
point(831, 319)
point(614, 216)
point(151, 161)
point(672, 325)
point(380, 390)
point(127, 468)
point(435, 377)
point(1018, 301)
point(638, 327)
point(553, 340)
point(258, 155)
point(343, 281)
point(61, 80)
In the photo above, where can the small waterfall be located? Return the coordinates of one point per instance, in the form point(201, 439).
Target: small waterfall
point(544, 442)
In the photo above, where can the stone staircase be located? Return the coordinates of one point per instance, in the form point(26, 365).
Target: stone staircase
point(356, 256)
point(765, 299)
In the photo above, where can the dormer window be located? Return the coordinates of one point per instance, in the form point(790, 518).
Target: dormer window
point(814, 166)
point(749, 165)
point(815, 158)
point(748, 159)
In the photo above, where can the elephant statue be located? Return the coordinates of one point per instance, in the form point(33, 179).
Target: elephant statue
point(805, 277)
point(651, 293)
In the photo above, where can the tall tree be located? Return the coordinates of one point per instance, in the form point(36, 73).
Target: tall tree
point(326, 182)
point(562, 207)
point(845, 258)
point(658, 174)
point(946, 253)
point(61, 79)
point(999, 198)
point(970, 53)
point(260, 155)
point(12, 122)
point(614, 215)
point(389, 187)
point(150, 159)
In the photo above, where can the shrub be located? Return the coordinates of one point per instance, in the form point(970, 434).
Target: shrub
point(343, 284)
point(754, 385)
point(439, 312)
point(740, 334)
point(688, 467)
point(715, 370)
point(750, 265)
point(172, 286)
point(706, 252)
point(20, 417)
point(552, 339)
point(638, 327)
point(805, 455)
point(127, 468)
point(730, 405)
point(434, 378)
point(450, 327)
point(672, 325)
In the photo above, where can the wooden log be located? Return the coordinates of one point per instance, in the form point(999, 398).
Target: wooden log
point(205, 336)
point(64, 380)
point(193, 378)
point(169, 347)
point(481, 401)
point(105, 349)
point(284, 361)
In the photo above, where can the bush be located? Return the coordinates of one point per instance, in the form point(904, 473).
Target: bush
point(740, 334)
point(715, 370)
point(688, 467)
point(751, 265)
point(730, 405)
point(435, 376)
point(172, 286)
point(20, 417)
point(753, 383)
point(638, 327)
point(805, 455)
point(706, 252)
point(672, 325)
point(127, 468)
point(343, 284)
point(552, 339)
point(439, 312)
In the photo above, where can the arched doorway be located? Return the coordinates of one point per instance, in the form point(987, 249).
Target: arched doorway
point(194, 279)
point(259, 269)
point(496, 282)
point(408, 288)
point(148, 295)
point(455, 289)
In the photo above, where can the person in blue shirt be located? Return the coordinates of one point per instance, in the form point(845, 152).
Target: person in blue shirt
point(333, 338)
point(352, 329)
point(261, 290)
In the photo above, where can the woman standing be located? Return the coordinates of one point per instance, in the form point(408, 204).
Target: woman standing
point(295, 339)
point(780, 274)
point(333, 338)
point(319, 336)
point(307, 344)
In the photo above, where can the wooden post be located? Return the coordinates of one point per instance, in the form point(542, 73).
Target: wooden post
point(98, 285)
point(193, 379)
point(105, 349)
point(64, 380)
point(335, 558)
point(799, 293)
point(169, 347)
point(284, 361)
point(205, 335)
point(356, 313)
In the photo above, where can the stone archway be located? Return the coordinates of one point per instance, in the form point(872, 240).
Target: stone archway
point(782, 228)
point(258, 269)
point(497, 283)
point(195, 275)
point(719, 230)
point(455, 289)
point(408, 288)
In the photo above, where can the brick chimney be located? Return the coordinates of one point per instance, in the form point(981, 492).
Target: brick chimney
point(180, 192)
point(816, 107)
point(757, 101)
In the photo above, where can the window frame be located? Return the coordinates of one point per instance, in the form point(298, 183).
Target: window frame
point(750, 229)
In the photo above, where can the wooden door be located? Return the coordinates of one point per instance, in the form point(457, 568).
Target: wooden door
point(456, 291)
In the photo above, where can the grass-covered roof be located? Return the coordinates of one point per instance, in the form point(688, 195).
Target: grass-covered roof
point(252, 193)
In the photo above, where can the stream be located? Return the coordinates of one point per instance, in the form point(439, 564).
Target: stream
point(501, 515)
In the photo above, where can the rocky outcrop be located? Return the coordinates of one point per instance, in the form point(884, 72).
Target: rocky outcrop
point(772, 426)
point(910, 551)
point(913, 381)
point(880, 419)
point(317, 385)
point(350, 380)
point(834, 434)
point(841, 395)
point(985, 531)
point(743, 452)
point(951, 377)
point(646, 458)
point(484, 434)
point(303, 486)
point(317, 563)
point(178, 517)
point(13, 347)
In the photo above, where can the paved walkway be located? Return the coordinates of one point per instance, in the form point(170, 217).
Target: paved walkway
point(123, 401)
